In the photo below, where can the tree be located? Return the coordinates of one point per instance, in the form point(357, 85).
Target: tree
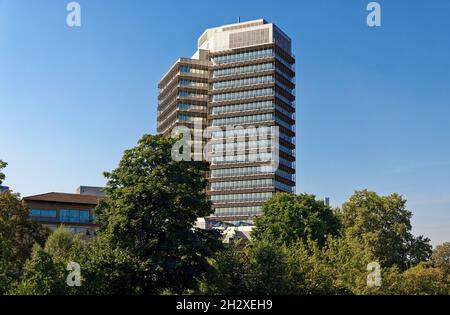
point(424, 279)
point(41, 275)
point(17, 237)
point(268, 269)
point(147, 243)
point(244, 268)
point(2, 166)
point(45, 272)
point(289, 218)
point(63, 244)
point(231, 271)
point(383, 224)
point(441, 258)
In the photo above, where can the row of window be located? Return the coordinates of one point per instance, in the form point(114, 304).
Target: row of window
point(286, 150)
point(285, 100)
point(249, 197)
point(244, 184)
point(245, 69)
point(192, 83)
point(251, 131)
point(250, 158)
point(284, 75)
point(242, 119)
point(242, 132)
point(285, 124)
point(190, 106)
point(37, 213)
point(285, 112)
point(284, 187)
point(287, 163)
point(65, 215)
point(184, 117)
point(242, 171)
point(286, 137)
point(233, 211)
point(284, 62)
point(242, 95)
point(284, 87)
point(190, 94)
point(285, 175)
point(242, 107)
point(263, 144)
point(243, 158)
point(241, 56)
point(74, 216)
point(192, 70)
point(243, 82)
point(242, 145)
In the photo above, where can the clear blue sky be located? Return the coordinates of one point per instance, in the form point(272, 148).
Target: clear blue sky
point(373, 104)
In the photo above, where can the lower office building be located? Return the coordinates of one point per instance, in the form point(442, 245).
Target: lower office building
point(72, 210)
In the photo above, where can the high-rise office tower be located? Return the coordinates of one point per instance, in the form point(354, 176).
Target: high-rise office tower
point(240, 84)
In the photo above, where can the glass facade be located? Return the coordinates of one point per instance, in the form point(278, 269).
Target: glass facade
point(242, 95)
point(243, 56)
point(242, 107)
point(242, 70)
point(239, 120)
point(236, 198)
point(74, 216)
point(39, 214)
point(236, 211)
point(242, 158)
point(243, 82)
point(242, 171)
point(243, 184)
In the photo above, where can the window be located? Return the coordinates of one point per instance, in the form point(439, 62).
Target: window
point(242, 95)
point(184, 117)
point(241, 70)
point(230, 211)
point(250, 197)
point(243, 82)
point(237, 120)
point(256, 54)
point(43, 215)
point(242, 171)
point(75, 216)
point(243, 184)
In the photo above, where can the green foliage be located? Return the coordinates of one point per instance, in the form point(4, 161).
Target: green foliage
point(383, 225)
point(17, 236)
point(290, 218)
point(2, 166)
point(147, 243)
point(441, 258)
point(247, 269)
point(44, 273)
point(41, 275)
point(62, 244)
point(424, 279)
point(268, 269)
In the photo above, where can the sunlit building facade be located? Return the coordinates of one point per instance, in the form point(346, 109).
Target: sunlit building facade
point(240, 84)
